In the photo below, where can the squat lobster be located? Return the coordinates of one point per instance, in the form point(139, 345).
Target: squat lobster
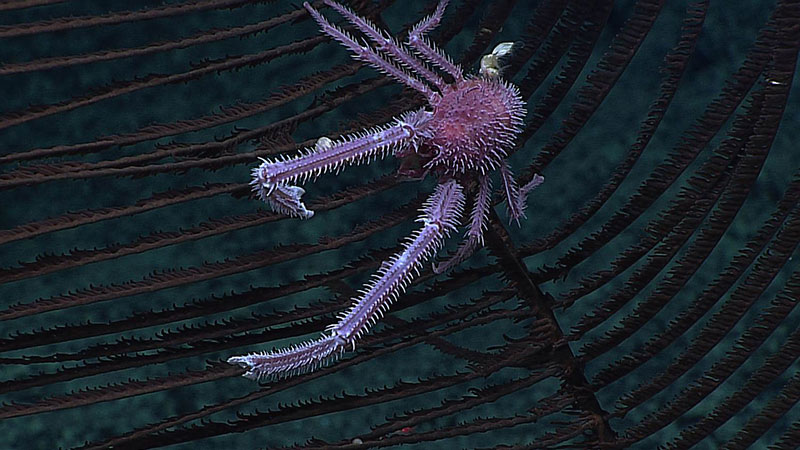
point(463, 134)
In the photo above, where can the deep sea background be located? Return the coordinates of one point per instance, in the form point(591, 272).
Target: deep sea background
point(571, 179)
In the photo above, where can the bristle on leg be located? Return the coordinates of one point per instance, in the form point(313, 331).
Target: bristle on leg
point(440, 217)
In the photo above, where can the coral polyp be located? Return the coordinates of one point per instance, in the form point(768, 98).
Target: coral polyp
point(462, 136)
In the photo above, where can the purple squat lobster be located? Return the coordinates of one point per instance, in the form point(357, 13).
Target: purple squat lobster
point(462, 135)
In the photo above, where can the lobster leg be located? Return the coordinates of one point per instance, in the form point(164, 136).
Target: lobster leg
point(439, 217)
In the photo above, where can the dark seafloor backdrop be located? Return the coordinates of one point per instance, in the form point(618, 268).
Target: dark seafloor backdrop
point(139, 263)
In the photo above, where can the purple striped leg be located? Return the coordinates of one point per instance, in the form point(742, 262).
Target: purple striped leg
point(428, 51)
point(388, 45)
point(439, 217)
point(516, 197)
point(371, 56)
point(273, 181)
point(477, 226)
